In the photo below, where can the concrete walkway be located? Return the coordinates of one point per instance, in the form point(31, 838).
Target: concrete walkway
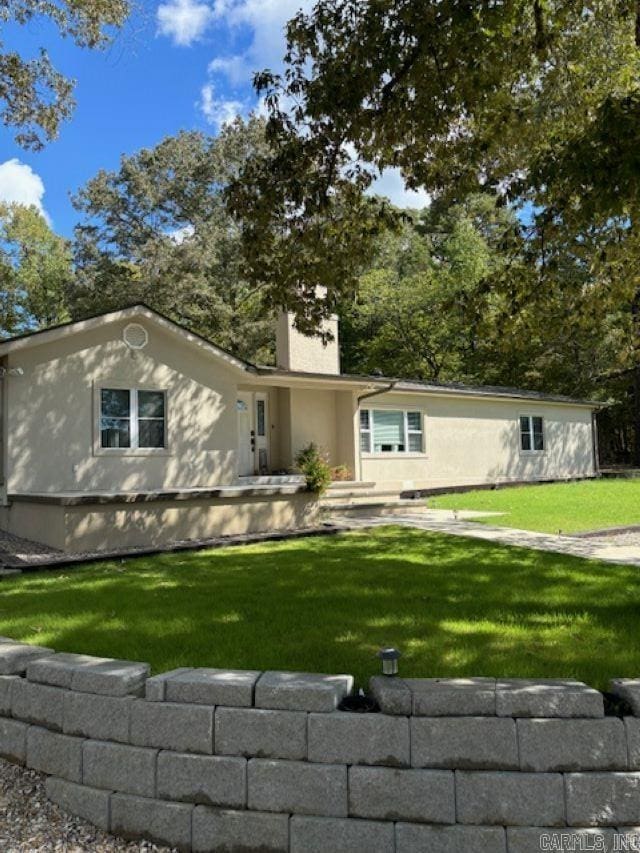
point(444, 521)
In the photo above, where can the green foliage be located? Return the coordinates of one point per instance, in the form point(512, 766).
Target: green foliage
point(534, 102)
point(454, 606)
point(569, 507)
point(463, 293)
point(431, 88)
point(35, 97)
point(35, 271)
point(429, 304)
point(317, 471)
point(157, 230)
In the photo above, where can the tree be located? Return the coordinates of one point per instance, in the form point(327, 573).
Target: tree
point(158, 231)
point(534, 100)
point(306, 234)
point(36, 97)
point(35, 271)
point(429, 306)
point(459, 294)
point(457, 94)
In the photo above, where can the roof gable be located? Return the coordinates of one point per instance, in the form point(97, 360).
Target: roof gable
point(134, 312)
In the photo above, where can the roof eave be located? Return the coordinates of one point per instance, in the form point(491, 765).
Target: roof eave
point(406, 387)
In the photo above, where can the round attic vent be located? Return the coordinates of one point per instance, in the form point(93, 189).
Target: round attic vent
point(135, 336)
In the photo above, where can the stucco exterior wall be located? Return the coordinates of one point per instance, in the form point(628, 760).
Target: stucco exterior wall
point(295, 351)
point(313, 418)
point(37, 522)
point(474, 440)
point(52, 441)
point(347, 433)
point(156, 523)
point(52, 414)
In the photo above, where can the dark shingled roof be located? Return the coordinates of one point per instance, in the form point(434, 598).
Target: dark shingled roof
point(397, 383)
point(414, 385)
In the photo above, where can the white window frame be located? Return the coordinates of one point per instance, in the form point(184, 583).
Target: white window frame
point(133, 450)
point(532, 451)
point(386, 454)
point(368, 432)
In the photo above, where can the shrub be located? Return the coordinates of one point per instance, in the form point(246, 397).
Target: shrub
point(340, 473)
point(315, 468)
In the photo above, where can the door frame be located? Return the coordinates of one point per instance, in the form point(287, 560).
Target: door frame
point(258, 442)
point(245, 397)
point(261, 442)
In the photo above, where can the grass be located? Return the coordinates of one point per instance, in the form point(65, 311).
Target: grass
point(569, 507)
point(454, 607)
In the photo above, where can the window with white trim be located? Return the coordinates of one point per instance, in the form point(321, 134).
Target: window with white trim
point(531, 434)
point(390, 431)
point(132, 418)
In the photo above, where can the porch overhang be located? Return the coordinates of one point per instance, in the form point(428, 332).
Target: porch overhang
point(321, 381)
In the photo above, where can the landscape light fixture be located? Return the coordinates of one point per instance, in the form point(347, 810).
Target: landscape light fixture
point(389, 658)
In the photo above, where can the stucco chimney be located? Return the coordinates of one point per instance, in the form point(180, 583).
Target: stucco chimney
point(295, 351)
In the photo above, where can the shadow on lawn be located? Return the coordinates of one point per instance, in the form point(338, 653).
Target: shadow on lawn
point(454, 606)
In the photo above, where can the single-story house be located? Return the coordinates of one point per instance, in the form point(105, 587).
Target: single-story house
point(128, 429)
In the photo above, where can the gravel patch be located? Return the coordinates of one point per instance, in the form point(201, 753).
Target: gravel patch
point(14, 550)
point(29, 823)
point(25, 555)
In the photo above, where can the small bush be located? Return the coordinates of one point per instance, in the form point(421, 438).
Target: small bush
point(315, 468)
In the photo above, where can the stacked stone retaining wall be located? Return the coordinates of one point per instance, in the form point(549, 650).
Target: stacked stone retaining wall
point(216, 760)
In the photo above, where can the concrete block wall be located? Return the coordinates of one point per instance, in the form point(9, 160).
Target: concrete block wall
point(217, 760)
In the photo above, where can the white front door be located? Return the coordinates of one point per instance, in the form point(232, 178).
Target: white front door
point(245, 434)
point(261, 433)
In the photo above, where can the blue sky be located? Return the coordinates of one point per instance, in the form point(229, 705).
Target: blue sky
point(176, 64)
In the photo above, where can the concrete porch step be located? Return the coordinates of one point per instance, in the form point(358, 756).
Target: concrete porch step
point(340, 486)
point(360, 496)
point(271, 480)
point(378, 508)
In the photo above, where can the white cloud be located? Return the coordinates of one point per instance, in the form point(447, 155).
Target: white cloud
point(19, 183)
point(266, 20)
point(219, 111)
point(184, 21)
point(391, 184)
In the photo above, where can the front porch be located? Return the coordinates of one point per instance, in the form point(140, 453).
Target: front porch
point(276, 422)
point(74, 522)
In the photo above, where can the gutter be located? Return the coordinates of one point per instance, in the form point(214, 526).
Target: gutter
point(378, 391)
point(368, 396)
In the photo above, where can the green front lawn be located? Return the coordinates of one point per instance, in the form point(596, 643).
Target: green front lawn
point(454, 606)
point(566, 507)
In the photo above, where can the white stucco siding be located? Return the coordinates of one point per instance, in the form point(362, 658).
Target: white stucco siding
point(52, 414)
point(313, 419)
point(475, 440)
